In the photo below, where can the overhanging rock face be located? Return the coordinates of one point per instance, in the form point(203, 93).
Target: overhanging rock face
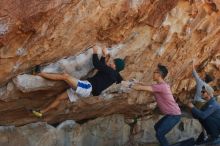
point(57, 35)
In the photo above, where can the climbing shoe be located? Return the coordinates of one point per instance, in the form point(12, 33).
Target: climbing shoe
point(35, 70)
point(37, 113)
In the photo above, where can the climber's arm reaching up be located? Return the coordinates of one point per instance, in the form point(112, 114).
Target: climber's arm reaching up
point(98, 64)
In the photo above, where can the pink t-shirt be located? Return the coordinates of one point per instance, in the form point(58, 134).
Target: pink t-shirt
point(165, 99)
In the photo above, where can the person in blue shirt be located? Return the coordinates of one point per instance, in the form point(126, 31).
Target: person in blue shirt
point(199, 84)
point(209, 114)
point(198, 100)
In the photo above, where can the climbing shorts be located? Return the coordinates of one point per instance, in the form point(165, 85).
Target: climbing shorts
point(84, 89)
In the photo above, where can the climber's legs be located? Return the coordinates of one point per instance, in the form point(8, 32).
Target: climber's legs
point(53, 105)
point(63, 76)
point(56, 102)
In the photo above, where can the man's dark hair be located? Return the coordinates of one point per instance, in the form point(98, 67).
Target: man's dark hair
point(163, 70)
point(208, 78)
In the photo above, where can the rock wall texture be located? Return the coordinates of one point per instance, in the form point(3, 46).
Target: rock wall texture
point(68, 133)
point(108, 131)
point(39, 32)
point(57, 35)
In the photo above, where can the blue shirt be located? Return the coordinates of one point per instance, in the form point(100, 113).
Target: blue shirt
point(211, 108)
